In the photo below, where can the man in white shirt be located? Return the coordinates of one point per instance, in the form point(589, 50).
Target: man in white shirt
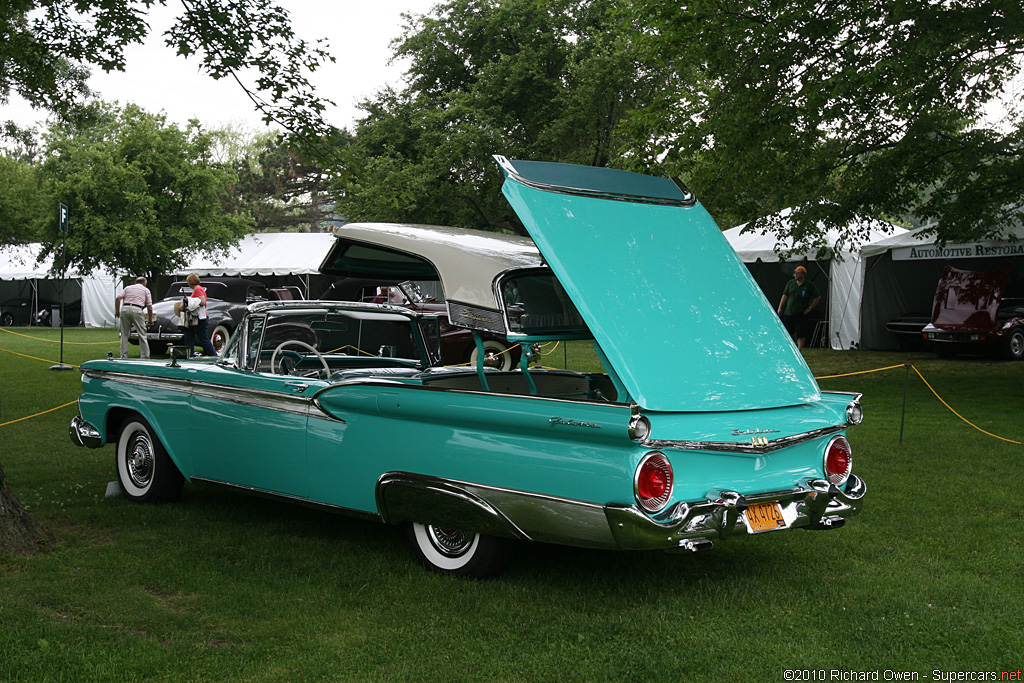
point(128, 309)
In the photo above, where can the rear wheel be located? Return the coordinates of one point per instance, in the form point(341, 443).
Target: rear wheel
point(496, 355)
point(8, 320)
point(1014, 349)
point(456, 552)
point(220, 336)
point(146, 473)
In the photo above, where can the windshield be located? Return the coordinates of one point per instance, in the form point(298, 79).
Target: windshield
point(331, 333)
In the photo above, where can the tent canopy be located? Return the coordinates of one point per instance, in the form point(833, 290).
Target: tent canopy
point(753, 245)
point(269, 253)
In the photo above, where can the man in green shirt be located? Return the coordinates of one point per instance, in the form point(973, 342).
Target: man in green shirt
point(798, 300)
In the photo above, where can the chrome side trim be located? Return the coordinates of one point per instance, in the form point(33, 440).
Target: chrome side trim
point(269, 400)
point(748, 448)
point(165, 383)
point(285, 403)
point(351, 512)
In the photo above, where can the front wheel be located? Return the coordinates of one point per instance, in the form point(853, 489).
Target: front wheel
point(146, 473)
point(1015, 344)
point(458, 553)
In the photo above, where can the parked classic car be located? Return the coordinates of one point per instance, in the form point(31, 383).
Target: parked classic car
point(226, 302)
point(26, 312)
point(972, 313)
point(706, 423)
point(908, 328)
point(457, 344)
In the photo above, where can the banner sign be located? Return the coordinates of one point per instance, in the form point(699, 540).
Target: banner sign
point(972, 250)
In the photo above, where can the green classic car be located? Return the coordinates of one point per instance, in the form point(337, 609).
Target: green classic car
point(706, 422)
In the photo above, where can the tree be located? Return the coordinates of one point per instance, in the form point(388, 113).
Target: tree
point(47, 46)
point(839, 108)
point(282, 187)
point(143, 195)
point(19, 199)
point(45, 49)
point(537, 79)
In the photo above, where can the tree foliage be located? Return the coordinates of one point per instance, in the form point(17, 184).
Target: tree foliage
point(47, 46)
point(538, 79)
point(143, 195)
point(839, 108)
point(19, 199)
point(282, 187)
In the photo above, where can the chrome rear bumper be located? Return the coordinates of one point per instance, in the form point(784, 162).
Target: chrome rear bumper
point(822, 505)
point(403, 496)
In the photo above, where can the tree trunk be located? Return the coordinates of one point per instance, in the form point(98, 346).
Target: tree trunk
point(19, 533)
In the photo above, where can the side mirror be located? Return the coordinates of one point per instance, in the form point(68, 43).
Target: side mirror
point(176, 353)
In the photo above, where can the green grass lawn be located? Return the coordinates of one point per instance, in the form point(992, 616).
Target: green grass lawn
point(227, 587)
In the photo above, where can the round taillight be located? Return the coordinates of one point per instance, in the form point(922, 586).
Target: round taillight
point(653, 483)
point(838, 460)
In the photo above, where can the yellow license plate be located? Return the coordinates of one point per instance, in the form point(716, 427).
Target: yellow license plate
point(765, 517)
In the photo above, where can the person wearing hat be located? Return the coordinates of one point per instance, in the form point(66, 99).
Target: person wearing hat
point(798, 300)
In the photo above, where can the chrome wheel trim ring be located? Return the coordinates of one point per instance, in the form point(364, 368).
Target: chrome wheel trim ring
point(139, 460)
point(1017, 344)
point(450, 542)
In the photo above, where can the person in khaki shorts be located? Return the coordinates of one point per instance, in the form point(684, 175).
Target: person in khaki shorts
point(128, 307)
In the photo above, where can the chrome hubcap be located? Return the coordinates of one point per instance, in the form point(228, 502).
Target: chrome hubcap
point(140, 460)
point(450, 542)
point(1017, 344)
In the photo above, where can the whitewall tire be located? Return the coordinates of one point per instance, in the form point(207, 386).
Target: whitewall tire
point(145, 471)
point(456, 552)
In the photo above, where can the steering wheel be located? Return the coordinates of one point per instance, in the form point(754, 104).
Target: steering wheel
point(290, 342)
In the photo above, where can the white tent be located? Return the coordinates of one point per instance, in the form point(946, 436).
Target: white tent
point(99, 289)
point(845, 272)
point(270, 253)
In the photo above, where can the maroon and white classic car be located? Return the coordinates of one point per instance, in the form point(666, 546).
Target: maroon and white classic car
point(974, 312)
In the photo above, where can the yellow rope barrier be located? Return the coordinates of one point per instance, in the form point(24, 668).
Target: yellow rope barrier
point(15, 353)
point(941, 400)
point(862, 372)
point(29, 417)
point(57, 341)
point(995, 436)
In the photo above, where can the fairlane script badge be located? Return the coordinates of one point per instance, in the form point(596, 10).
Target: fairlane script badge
point(571, 423)
point(748, 432)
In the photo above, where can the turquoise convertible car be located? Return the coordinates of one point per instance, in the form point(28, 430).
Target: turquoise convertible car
point(706, 422)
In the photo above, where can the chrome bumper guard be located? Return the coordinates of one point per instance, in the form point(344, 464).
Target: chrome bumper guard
point(694, 526)
point(84, 434)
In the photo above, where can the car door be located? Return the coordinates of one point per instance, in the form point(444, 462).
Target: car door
point(249, 428)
